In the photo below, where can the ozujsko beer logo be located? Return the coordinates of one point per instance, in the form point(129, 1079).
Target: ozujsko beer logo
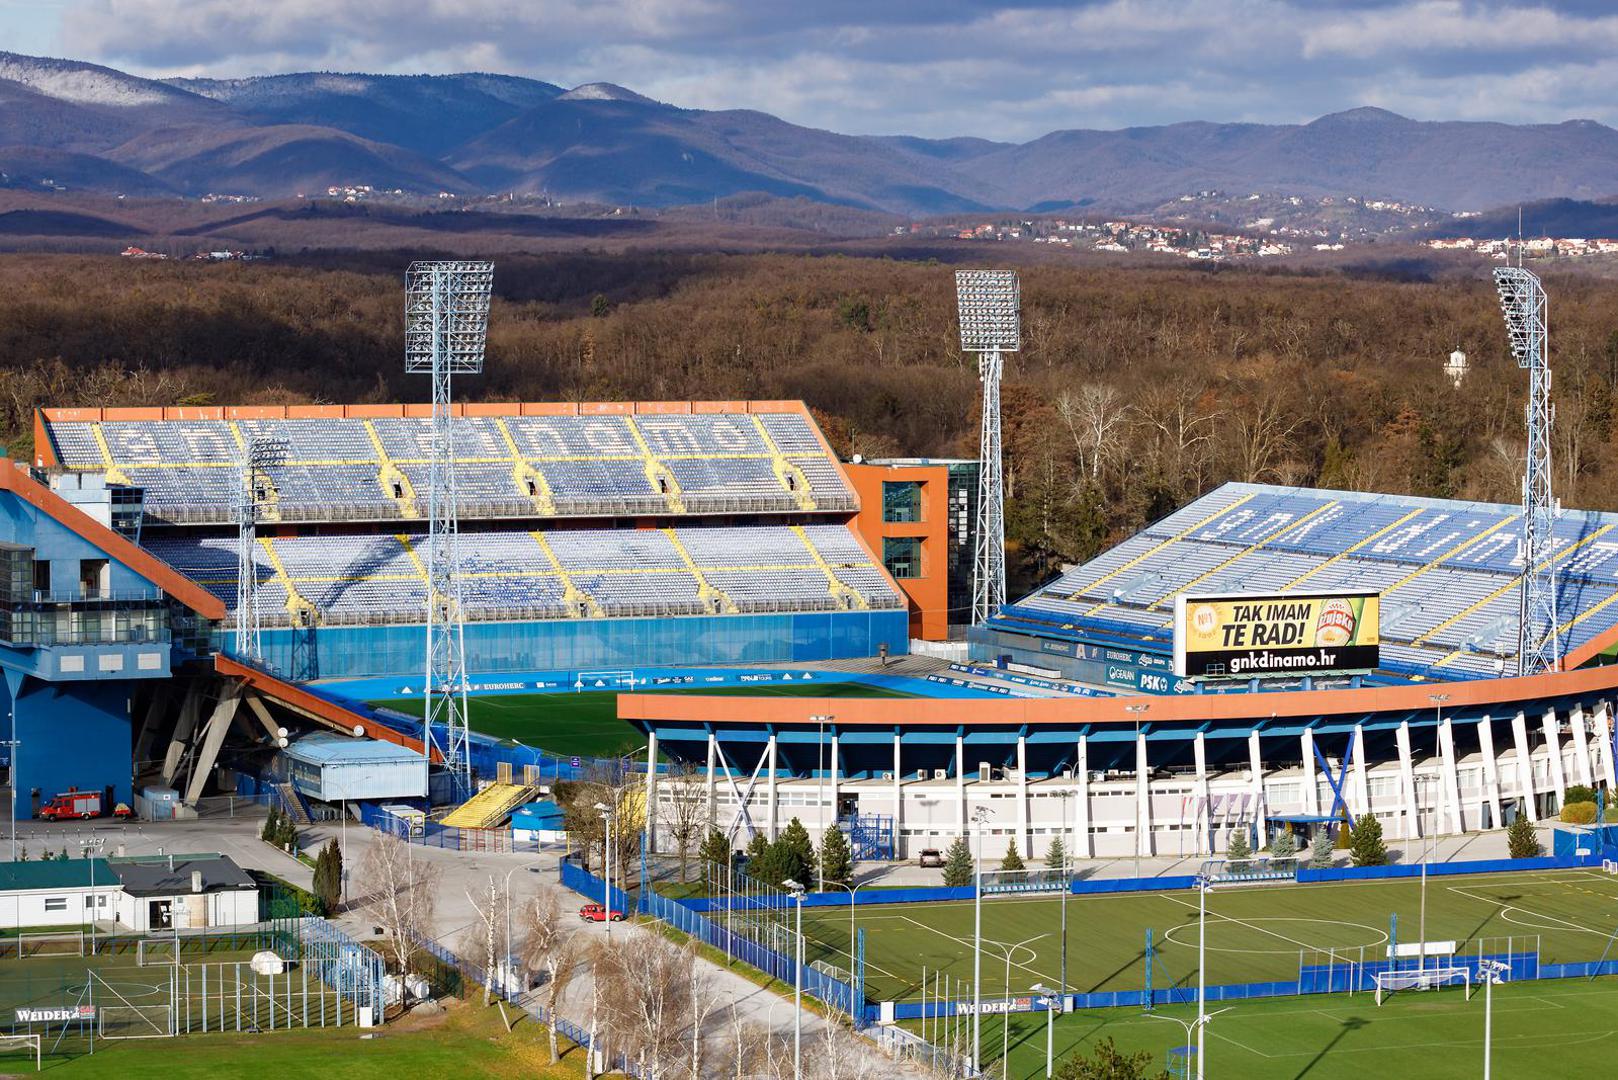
point(1336, 623)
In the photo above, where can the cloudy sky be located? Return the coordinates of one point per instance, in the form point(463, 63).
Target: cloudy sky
point(925, 67)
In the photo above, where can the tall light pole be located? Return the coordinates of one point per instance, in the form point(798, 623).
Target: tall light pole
point(988, 303)
point(979, 816)
point(1438, 707)
point(1202, 965)
point(446, 329)
point(797, 983)
point(1137, 710)
point(606, 859)
point(258, 455)
point(1054, 1004)
point(1005, 1027)
point(1067, 883)
point(1489, 970)
point(820, 773)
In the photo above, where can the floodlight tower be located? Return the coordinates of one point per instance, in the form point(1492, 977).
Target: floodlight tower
point(446, 326)
point(1522, 300)
point(258, 456)
point(988, 301)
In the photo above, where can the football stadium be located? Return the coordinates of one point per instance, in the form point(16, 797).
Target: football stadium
point(429, 612)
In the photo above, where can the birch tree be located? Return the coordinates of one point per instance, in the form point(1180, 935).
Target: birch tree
point(398, 892)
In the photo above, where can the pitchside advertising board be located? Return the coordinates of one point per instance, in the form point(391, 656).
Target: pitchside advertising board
point(1248, 636)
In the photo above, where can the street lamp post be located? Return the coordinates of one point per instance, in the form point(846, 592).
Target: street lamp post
point(1005, 1030)
point(820, 772)
point(797, 983)
point(1137, 710)
point(1066, 797)
point(606, 859)
point(1202, 965)
point(1489, 970)
point(1054, 1003)
point(979, 816)
point(1438, 712)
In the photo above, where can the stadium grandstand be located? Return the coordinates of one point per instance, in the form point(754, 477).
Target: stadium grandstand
point(592, 537)
point(1098, 739)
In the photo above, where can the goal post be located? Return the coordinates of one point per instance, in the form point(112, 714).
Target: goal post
point(623, 679)
point(1391, 982)
point(150, 952)
point(54, 943)
point(10, 1044)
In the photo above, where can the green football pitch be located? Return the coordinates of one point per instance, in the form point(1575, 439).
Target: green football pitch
point(587, 723)
point(1255, 933)
point(1563, 1027)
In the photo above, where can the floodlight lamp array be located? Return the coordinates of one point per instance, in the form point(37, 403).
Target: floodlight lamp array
point(267, 452)
point(1522, 302)
point(988, 301)
point(447, 315)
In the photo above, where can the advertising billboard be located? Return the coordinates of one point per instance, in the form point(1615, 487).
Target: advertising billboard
point(1247, 636)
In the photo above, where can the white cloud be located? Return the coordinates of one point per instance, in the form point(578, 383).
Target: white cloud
point(930, 67)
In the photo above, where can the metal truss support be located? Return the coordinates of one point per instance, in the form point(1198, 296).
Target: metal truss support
point(446, 327)
point(1522, 300)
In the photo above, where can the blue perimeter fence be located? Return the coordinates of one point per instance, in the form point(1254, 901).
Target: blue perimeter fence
point(690, 916)
point(847, 997)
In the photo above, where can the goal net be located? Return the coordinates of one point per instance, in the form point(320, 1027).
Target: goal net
point(150, 952)
point(1253, 870)
point(605, 680)
point(1391, 982)
point(53, 944)
point(28, 1045)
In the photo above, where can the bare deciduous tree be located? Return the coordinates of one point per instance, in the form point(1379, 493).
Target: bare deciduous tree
point(682, 810)
point(398, 892)
point(645, 984)
point(490, 907)
point(546, 948)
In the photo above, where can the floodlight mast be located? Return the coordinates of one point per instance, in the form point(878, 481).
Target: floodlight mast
point(1522, 301)
point(988, 302)
point(446, 327)
point(258, 455)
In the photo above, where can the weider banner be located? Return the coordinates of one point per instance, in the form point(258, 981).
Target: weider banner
point(1246, 636)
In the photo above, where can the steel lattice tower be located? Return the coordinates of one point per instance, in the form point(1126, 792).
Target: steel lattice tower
point(258, 456)
point(1522, 300)
point(988, 301)
point(446, 326)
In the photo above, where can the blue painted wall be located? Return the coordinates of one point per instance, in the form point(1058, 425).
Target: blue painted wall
point(21, 523)
point(73, 735)
point(600, 644)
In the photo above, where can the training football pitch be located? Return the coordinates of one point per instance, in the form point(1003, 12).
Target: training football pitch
point(1549, 1028)
point(1255, 933)
point(587, 723)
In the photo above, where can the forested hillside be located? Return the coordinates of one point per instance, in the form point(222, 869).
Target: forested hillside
point(1136, 389)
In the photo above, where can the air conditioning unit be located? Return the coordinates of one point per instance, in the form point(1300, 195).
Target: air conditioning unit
point(887, 776)
point(983, 770)
point(940, 774)
point(1067, 774)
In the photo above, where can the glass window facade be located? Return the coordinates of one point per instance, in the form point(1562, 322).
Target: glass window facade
point(901, 501)
point(902, 556)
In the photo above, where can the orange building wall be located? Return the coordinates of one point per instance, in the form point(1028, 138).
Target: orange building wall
point(928, 595)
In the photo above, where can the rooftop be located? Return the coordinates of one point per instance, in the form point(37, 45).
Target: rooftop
point(56, 874)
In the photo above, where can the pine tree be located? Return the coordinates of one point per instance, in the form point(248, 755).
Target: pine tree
point(1521, 840)
point(1239, 850)
point(797, 853)
point(1284, 845)
point(1320, 852)
point(715, 851)
point(1012, 861)
point(328, 883)
point(1056, 854)
point(958, 870)
point(836, 859)
point(1366, 847)
point(757, 847)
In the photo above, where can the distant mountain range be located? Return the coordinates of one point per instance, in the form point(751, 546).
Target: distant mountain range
point(86, 127)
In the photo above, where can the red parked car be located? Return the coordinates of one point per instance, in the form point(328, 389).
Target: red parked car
point(597, 913)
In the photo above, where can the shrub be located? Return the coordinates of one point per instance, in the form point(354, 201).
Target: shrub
point(1522, 842)
point(1107, 1062)
point(1577, 793)
point(715, 850)
point(1365, 846)
point(1579, 813)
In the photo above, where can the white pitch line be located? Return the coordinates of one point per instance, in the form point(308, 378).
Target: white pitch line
point(962, 941)
point(1250, 926)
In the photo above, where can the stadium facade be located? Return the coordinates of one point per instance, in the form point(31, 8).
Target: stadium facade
point(1098, 740)
point(593, 537)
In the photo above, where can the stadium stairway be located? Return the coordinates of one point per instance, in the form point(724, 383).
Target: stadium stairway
point(490, 807)
point(294, 803)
